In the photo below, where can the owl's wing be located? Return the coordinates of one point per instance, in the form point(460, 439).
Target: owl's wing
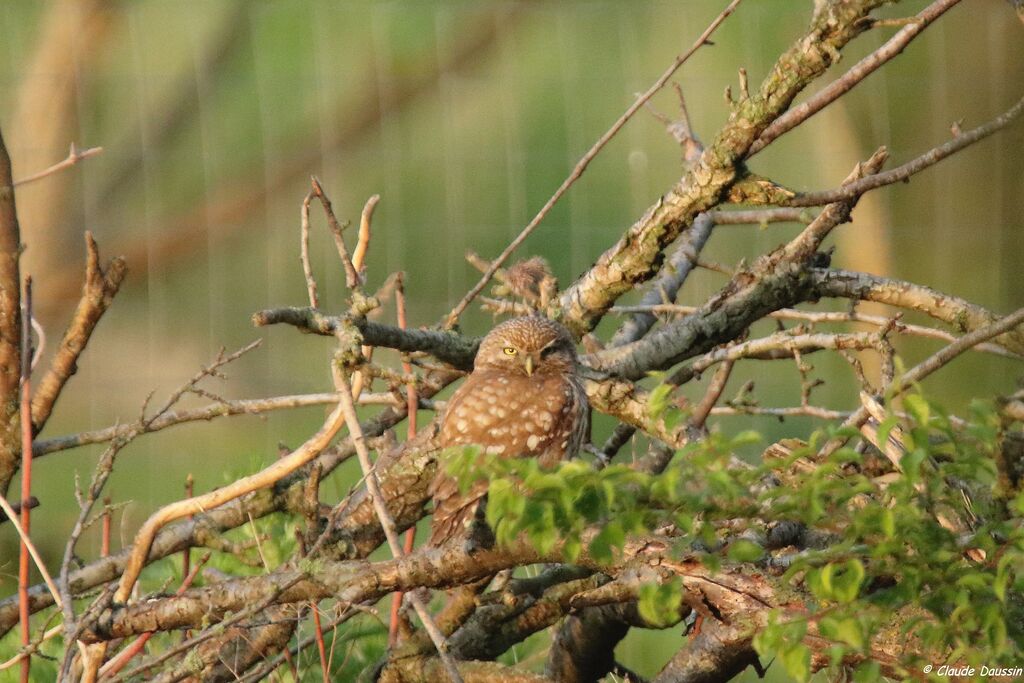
point(453, 512)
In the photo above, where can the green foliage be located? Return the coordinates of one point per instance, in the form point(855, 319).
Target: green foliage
point(885, 569)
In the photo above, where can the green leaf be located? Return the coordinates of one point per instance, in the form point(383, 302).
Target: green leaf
point(742, 550)
point(607, 541)
point(888, 523)
point(657, 400)
point(659, 604)
point(867, 672)
point(846, 582)
point(797, 660)
point(918, 407)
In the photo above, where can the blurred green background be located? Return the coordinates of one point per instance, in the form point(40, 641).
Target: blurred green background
point(464, 117)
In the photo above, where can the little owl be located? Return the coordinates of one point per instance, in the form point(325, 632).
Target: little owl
point(523, 399)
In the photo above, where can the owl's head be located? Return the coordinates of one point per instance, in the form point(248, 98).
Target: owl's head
point(531, 345)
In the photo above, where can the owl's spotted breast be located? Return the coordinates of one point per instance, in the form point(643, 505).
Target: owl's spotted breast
point(502, 415)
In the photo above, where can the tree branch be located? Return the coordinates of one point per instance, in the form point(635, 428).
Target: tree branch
point(637, 256)
point(10, 322)
point(101, 285)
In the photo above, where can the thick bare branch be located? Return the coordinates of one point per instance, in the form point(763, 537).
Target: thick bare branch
point(637, 256)
point(961, 314)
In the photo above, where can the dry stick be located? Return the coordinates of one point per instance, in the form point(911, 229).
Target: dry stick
point(183, 508)
point(359, 264)
point(144, 538)
point(826, 96)
point(12, 516)
point(713, 393)
point(74, 156)
point(307, 269)
point(105, 529)
point(351, 275)
point(386, 522)
point(411, 405)
point(319, 632)
point(55, 631)
point(186, 554)
point(26, 472)
point(875, 180)
point(363, 243)
point(582, 164)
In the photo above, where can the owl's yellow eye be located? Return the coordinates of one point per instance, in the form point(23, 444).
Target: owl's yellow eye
point(510, 351)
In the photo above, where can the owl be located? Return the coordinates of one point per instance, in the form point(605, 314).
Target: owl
point(522, 400)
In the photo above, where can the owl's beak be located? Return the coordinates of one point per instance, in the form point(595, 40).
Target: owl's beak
point(528, 364)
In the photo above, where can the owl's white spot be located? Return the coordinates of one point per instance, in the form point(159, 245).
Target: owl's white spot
point(544, 417)
point(500, 412)
point(461, 425)
point(532, 442)
point(564, 444)
point(496, 450)
point(481, 419)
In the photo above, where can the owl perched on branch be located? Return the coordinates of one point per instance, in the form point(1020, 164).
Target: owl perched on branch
point(523, 399)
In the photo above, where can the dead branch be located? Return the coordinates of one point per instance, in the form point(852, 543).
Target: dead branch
point(101, 285)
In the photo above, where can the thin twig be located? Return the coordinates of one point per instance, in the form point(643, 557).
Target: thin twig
point(713, 393)
point(307, 268)
point(386, 521)
point(829, 94)
point(351, 276)
point(582, 164)
point(363, 243)
point(321, 649)
point(930, 158)
point(26, 472)
point(74, 156)
point(760, 216)
point(359, 264)
point(411, 405)
point(253, 406)
point(12, 516)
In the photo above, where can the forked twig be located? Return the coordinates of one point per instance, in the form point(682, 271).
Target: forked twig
point(74, 156)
